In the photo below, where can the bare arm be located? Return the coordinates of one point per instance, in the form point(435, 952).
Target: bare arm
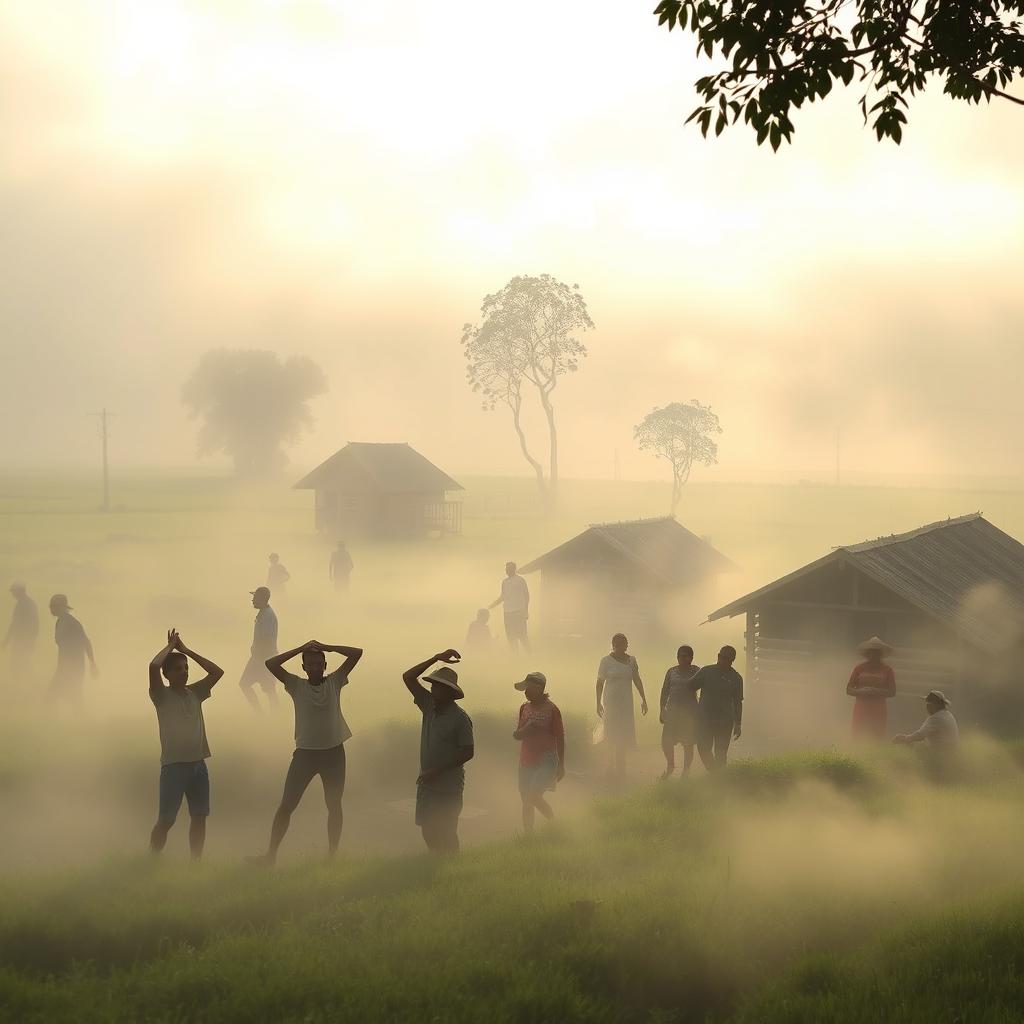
point(156, 683)
point(350, 654)
point(213, 672)
point(639, 684)
point(600, 691)
point(275, 665)
point(411, 677)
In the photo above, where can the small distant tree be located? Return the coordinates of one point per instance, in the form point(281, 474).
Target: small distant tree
point(252, 404)
point(680, 433)
point(525, 340)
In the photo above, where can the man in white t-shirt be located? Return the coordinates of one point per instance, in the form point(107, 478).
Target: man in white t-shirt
point(320, 735)
point(515, 604)
point(939, 728)
point(183, 745)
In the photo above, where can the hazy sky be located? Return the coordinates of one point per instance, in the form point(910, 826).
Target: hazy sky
point(348, 180)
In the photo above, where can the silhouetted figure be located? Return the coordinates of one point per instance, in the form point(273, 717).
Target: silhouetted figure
point(542, 747)
point(22, 633)
point(679, 711)
point(872, 682)
point(73, 648)
point(617, 674)
point(183, 745)
point(277, 576)
point(720, 711)
point(264, 646)
point(320, 735)
point(478, 636)
point(340, 569)
point(446, 744)
point(515, 602)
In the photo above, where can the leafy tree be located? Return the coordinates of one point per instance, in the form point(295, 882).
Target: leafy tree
point(252, 404)
point(681, 434)
point(784, 54)
point(525, 339)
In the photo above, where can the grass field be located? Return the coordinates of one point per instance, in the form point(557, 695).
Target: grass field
point(800, 887)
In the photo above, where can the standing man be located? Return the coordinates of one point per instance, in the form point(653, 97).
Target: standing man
point(22, 633)
point(446, 744)
point(542, 751)
point(320, 735)
point(515, 602)
point(340, 568)
point(183, 745)
point(277, 576)
point(679, 711)
point(720, 711)
point(73, 647)
point(264, 646)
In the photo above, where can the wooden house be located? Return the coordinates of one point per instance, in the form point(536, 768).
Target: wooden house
point(949, 597)
point(621, 576)
point(384, 491)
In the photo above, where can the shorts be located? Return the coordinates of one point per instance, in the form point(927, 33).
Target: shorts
point(515, 625)
point(540, 777)
point(255, 672)
point(329, 764)
point(680, 725)
point(188, 779)
point(438, 808)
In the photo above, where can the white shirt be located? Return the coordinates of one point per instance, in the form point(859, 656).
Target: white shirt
point(179, 714)
point(515, 595)
point(319, 723)
point(940, 730)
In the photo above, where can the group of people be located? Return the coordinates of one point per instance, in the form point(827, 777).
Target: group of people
point(446, 741)
point(873, 683)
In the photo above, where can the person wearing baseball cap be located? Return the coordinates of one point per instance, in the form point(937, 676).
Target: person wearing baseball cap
point(446, 744)
point(264, 647)
point(73, 648)
point(939, 728)
point(541, 735)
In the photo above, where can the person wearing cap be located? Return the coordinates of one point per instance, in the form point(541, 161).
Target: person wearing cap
point(617, 674)
point(720, 710)
point(264, 646)
point(183, 744)
point(872, 683)
point(515, 605)
point(939, 727)
point(446, 744)
point(277, 576)
point(320, 735)
point(22, 632)
point(679, 711)
point(541, 735)
point(73, 648)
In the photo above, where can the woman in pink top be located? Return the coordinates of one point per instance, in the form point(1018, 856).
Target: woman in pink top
point(542, 754)
point(872, 684)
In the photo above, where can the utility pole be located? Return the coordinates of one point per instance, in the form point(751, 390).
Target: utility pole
point(103, 417)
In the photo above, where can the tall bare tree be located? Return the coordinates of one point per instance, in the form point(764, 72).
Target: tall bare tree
point(681, 433)
point(252, 404)
point(526, 338)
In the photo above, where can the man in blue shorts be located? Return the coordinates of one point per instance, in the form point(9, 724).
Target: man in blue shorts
point(183, 745)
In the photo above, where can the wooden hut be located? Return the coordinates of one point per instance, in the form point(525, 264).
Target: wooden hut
point(621, 575)
point(949, 597)
point(382, 490)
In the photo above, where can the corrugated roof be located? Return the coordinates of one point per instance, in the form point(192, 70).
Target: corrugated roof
point(662, 547)
point(362, 467)
point(934, 568)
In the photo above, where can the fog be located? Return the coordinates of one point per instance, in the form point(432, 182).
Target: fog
point(341, 182)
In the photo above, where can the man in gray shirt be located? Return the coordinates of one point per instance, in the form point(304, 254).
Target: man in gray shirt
point(515, 602)
point(320, 735)
point(264, 646)
point(720, 710)
point(446, 744)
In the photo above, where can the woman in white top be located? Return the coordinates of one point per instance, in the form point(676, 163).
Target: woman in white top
point(617, 674)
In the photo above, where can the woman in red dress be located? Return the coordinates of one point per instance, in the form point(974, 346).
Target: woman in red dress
point(872, 683)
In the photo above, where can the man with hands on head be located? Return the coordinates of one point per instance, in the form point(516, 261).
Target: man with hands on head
point(446, 744)
point(183, 745)
point(320, 735)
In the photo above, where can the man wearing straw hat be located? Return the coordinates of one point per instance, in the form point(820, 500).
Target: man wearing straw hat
point(73, 647)
point(446, 744)
point(872, 683)
point(939, 728)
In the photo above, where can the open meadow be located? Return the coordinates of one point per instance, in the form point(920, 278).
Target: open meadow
point(795, 887)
